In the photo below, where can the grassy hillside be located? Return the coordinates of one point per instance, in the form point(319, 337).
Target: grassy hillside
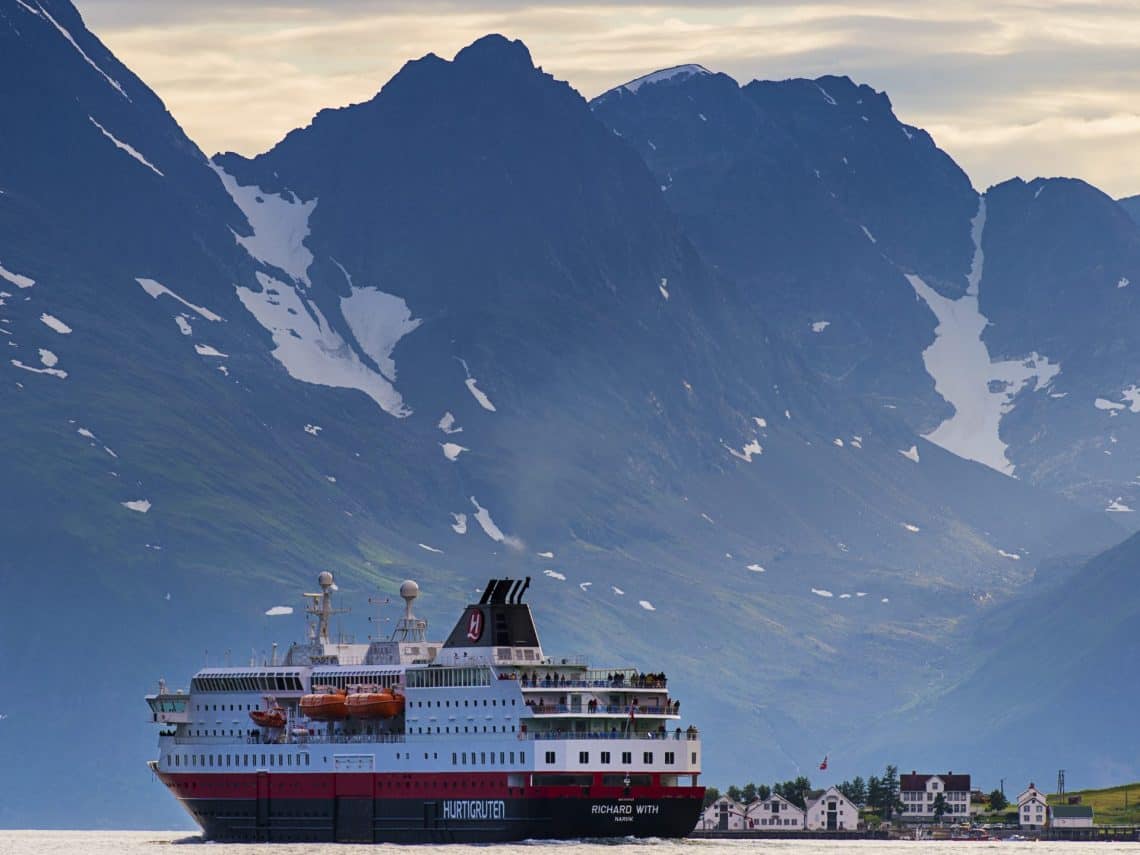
point(1112, 806)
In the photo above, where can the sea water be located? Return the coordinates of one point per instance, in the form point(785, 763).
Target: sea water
point(170, 843)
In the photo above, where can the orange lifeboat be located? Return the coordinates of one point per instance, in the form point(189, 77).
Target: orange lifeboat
point(383, 703)
point(328, 705)
point(272, 717)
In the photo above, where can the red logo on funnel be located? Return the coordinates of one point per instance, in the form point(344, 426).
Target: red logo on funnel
point(474, 625)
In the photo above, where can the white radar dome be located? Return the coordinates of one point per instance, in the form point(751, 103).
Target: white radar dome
point(409, 590)
point(325, 580)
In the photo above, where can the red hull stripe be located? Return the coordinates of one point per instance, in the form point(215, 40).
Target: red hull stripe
point(364, 785)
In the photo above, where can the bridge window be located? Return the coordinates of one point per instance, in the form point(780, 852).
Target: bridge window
point(550, 757)
point(626, 757)
point(647, 757)
point(669, 758)
point(605, 757)
point(583, 757)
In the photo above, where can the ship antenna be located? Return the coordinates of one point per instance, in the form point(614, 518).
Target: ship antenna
point(409, 627)
point(321, 605)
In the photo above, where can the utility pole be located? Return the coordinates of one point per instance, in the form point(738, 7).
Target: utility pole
point(1061, 783)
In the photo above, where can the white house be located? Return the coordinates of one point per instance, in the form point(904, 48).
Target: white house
point(1032, 809)
point(774, 813)
point(723, 815)
point(1071, 816)
point(919, 792)
point(831, 811)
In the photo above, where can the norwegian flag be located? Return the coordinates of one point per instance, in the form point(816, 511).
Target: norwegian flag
point(823, 765)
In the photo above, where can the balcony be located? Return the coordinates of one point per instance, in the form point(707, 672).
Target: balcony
point(544, 710)
point(605, 680)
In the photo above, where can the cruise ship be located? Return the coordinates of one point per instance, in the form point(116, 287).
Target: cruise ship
point(479, 738)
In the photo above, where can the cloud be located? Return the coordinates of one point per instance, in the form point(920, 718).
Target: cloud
point(1007, 87)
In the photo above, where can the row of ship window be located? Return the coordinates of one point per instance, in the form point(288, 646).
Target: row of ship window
point(494, 702)
point(474, 729)
point(626, 758)
point(460, 758)
point(205, 761)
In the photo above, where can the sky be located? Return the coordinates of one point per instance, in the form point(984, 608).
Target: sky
point(1008, 87)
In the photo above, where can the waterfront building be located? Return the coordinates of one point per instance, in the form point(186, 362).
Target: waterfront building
point(831, 811)
point(774, 814)
point(1071, 816)
point(919, 792)
point(723, 815)
point(1032, 809)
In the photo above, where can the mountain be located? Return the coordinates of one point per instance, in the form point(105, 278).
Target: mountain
point(1078, 630)
point(1131, 204)
point(992, 323)
point(453, 332)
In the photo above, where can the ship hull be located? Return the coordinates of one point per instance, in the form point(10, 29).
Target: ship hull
point(483, 819)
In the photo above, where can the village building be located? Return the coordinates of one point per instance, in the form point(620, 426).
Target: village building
point(831, 811)
point(1032, 809)
point(1071, 816)
point(918, 794)
point(723, 815)
point(774, 813)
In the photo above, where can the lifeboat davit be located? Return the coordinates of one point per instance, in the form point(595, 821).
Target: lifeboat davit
point(272, 717)
point(324, 706)
point(383, 703)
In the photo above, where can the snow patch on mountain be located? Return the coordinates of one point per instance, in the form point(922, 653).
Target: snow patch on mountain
point(53, 372)
point(648, 606)
point(427, 548)
point(47, 358)
point(680, 72)
point(447, 424)
point(981, 391)
point(54, 323)
point(822, 592)
point(483, 517)
point(867, 232)
point(911, 527)
point(276, 611)
point(827, 97)
point(1122, 282)
point(911, 453)
point(747, 452)
point(459, 524)
point(452, 450)
point(662, 287)
point(157, 289)
point(280, 226)
point(16, 279)
point(129, 149)
point(820, 326)
point(183, 325)
point(378, 320)
point(1011, 555)
point(1131, 402)
point(138, 505)
point(755, 568)
point(80, 50)
point(310, 349)
point(554, 574)
point(479, 395)
point(1105, 404)
point(206, 350)
point(1117, 506)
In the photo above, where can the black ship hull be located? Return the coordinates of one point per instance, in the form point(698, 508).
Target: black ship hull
point(345, 820)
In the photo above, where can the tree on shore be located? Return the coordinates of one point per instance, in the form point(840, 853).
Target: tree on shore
point(794, 791)
point(939, 807)
point(998, 801)
point(855, 790)
point(711, 795)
